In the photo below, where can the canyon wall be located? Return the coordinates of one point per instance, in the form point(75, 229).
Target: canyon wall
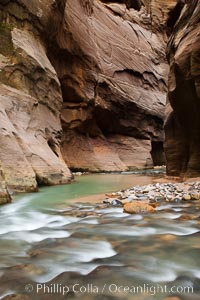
point(182, 126)
point(30, 100)
point(110, 61)
point(82, 85)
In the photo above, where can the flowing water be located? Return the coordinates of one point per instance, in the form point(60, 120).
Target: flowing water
point(54, 247)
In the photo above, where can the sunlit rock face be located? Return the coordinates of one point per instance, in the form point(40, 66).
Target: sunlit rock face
point(182, 125)
point(110, 60)
point(30, 100)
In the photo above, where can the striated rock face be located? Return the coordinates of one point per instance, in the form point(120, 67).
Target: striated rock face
point(113, 74)
point(30, 100)
point(182, 127)
point(83, 85)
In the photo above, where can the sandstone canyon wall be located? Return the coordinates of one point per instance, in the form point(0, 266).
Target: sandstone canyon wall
point(182, 126)
point(82, 85)
point(30, 100)
point(113, 73)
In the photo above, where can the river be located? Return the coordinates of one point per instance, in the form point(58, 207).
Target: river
point(57, 245)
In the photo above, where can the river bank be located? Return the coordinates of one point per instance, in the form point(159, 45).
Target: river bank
point(147, 198)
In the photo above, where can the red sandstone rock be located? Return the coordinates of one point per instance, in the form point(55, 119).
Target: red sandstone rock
point(99, 64)
point(30, 101)
point(182, 126)
point(136, 207)
point(113, 83)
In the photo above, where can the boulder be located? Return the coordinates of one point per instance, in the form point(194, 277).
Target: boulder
point(137, 207)
point(4, 194)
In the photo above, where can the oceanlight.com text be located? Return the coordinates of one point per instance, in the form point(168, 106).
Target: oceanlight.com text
point(111, 288)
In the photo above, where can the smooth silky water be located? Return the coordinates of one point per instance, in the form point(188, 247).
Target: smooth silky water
point(54, 237)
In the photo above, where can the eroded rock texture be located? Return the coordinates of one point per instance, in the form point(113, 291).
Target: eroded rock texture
point(183, 123)
point(30, 100)
point(96, 66)
point(4, 194)
point(113, 74)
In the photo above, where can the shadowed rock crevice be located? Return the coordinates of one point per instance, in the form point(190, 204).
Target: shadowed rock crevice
point(157, 153)
point(146, 80)
point(136, 4)
point(174, 14)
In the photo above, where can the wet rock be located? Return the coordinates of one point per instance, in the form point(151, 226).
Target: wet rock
point(77, 173)
point(116, 202)
point(4, 197)
point(81, 214)
point(144, 198)
point(187, 217)
point(176, 200)
point(186, 197)
point(139, 195)
point(4, 194)
point(120, 194)
point(132, 197)
point(148, 189)
point(113, 202)
point(191, 188)
point(169, 197)
point(112, 195)
point(108, 200)
point(168, 237)
point(138, 207)
point(195, 196)
point(159, 199)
